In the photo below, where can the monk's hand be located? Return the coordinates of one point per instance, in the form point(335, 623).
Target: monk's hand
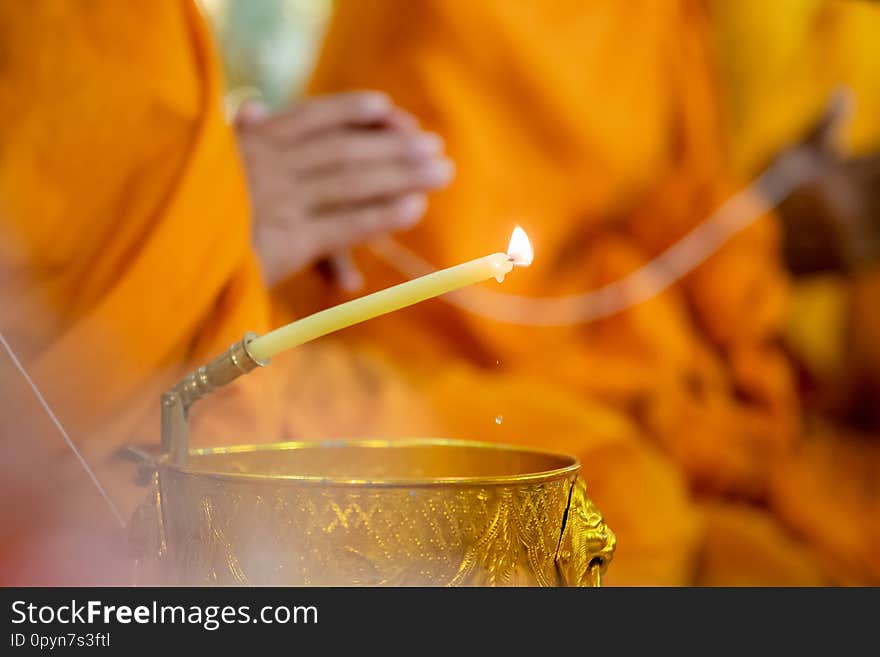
point(333, 172)
point(832, 221)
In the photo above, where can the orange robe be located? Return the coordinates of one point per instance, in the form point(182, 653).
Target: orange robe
point(606, 154)
point(124, 235)
point(597, 126)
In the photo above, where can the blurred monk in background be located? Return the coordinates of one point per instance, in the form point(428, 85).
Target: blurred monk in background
point(139, 235)
point(776, 71)
point(609, 131)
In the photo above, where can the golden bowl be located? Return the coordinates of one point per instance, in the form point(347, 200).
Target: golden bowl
point(423, 512)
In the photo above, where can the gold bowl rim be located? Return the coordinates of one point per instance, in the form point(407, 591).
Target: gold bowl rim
point(569, 470)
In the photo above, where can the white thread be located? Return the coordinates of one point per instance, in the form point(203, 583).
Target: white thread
point(114, 510)
point(695, 247)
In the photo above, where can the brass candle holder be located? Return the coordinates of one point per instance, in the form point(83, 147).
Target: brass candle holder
point(424, 512)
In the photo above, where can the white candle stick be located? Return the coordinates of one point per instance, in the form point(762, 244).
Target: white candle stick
point(496, 266)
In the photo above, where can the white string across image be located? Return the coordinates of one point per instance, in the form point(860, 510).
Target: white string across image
point(113, 508)
point(694, 248)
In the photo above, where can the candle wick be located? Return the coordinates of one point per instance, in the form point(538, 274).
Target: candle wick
point(518, 260)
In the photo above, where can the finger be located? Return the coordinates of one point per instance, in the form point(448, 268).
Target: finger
point(357, 185)
point(341, 148)
point(251, 111)
point(343, 229)
point(328, 112)
point(402, 120)
point(346, 273)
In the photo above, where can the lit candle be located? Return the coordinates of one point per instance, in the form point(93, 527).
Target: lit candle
point(519, 253)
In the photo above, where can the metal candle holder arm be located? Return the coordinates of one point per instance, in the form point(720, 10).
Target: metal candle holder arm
point(176, 401)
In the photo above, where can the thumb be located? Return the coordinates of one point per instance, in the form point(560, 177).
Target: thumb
point(827, 133)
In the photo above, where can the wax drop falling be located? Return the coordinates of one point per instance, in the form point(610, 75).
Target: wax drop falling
point(499, 419)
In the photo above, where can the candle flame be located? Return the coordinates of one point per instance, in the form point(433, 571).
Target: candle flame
point(520, 249)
